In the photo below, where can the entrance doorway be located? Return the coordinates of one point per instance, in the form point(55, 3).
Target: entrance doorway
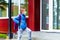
point(50, 15)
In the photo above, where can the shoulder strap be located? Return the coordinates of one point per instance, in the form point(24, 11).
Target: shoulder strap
point(19, 19)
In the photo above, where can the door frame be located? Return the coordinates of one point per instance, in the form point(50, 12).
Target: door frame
point(50, 17)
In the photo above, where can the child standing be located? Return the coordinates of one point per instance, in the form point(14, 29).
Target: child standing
point(22, 25)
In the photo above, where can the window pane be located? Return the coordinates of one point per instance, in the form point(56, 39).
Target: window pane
point(45, 15)
point(4, 13)
point(15, 6)
point(56, 14)
point(3, 8)
point(59, 14)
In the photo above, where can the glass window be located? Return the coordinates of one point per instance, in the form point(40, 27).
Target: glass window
point(45, 14)
point(14, 8)
point(3, 8)
point(56, 14)
point(55, 24)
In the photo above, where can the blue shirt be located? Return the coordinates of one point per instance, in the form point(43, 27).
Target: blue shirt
point(21, 20)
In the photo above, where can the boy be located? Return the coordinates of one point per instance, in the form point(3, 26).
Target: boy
point(22, 25)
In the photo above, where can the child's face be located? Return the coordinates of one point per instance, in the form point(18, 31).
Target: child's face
point(22, 10)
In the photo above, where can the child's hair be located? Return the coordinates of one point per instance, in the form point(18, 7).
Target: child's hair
point(22, 9)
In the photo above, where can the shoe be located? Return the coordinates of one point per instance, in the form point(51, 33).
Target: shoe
point(29, 39)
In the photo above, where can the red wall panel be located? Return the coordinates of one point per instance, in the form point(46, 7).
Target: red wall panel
point(31, 14)
point(37, 15)
point(4, 25)
point(34, 14)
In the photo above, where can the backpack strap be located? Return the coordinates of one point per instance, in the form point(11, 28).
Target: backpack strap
point(19, 19)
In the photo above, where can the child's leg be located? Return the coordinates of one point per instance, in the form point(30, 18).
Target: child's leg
point(20, 32)
point(29, 33)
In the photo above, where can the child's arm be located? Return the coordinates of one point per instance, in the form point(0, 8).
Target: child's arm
point(16, 19)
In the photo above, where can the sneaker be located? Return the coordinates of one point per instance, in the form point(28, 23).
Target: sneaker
point(29, 39)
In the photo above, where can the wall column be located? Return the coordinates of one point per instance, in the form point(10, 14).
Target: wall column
point(34, 14)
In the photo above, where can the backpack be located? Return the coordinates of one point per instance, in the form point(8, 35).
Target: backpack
point(16, 25)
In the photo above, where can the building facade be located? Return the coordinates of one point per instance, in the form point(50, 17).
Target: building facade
point(33, 16)
point(43, 15)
